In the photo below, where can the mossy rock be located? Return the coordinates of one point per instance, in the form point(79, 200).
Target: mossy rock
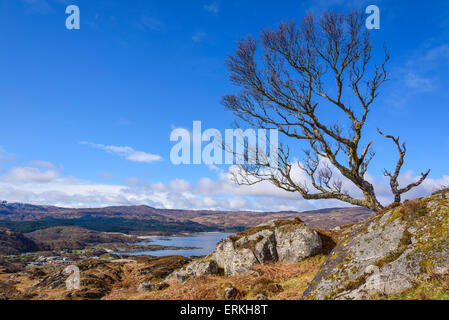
point(386, 254)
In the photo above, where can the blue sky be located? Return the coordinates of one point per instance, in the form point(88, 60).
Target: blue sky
point(86, 114)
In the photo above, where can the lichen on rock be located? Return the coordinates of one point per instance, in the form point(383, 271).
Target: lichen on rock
point(386, 254)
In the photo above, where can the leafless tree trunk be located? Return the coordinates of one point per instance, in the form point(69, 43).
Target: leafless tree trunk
point(300, 80)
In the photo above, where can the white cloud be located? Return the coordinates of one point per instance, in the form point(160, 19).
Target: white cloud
point(127, 152)
point(214, 194)
point(179, 185)
point(212, 7)
point(421, 70)
point(199, 36)
point(418, 82)
point(30, 174)
point(432, 58)
point(47, 186)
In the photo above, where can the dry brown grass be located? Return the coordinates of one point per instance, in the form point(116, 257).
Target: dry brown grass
point(276, 281)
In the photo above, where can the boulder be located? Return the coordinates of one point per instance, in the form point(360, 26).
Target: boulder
point(388, 253)
point(230, 293)
point(151, 286)
point(233, 261)
point(195, 269)
point(294, 243)
point(288, 241)
point(264, 248)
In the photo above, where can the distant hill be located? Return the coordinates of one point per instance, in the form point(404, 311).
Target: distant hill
point(56, 238)
point(28, 212)
point(323, 218)
point(144, 219)
point(12, 243)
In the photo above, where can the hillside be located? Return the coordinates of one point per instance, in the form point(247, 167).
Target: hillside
point(402, 253)
point(323, 218)
point(74, 238)
point(140, 219)
point(12, 243)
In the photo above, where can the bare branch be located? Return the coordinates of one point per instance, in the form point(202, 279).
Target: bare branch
point(394, 184)
point(305, 70)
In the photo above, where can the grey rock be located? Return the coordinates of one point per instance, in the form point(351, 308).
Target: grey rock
point(387, 254)
point(234, 259)
point(296, 244)
point(269, 223)
point(181, 277)
point(151, 286)
point(230, 293)
point(52, 281)
point(286, 241)
point(261, 296)
point(195, 268)
point(289, 242)
point(265, 246)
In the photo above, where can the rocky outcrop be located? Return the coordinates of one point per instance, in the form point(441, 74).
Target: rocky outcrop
point(98, 278)
point(388, 253)
point(296, 242)
point(156, 269)
point(287, 241)
point(195, 269)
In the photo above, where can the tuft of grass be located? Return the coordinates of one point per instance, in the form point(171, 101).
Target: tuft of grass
point(434, 287)
point(413, 209)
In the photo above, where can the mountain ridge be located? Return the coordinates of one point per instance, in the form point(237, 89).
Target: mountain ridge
point(323, 218)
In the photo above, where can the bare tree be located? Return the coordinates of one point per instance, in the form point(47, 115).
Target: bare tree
point(308, 73)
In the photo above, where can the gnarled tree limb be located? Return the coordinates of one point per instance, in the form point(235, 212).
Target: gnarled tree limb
point(394, 183)
point(306, 71)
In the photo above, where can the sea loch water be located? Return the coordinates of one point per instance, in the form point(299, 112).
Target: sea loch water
point(205, 241)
